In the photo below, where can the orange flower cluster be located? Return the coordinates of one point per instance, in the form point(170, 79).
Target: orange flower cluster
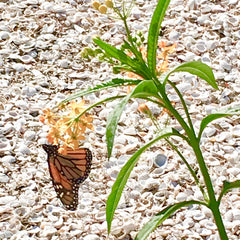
point(163, 56)
point(68, 128)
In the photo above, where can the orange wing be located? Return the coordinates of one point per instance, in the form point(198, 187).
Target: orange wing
point(67, 172)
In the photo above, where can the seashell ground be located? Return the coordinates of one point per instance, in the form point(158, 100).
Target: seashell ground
point(41, 64)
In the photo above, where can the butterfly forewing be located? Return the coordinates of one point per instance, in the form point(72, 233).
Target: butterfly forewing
point(67, 171)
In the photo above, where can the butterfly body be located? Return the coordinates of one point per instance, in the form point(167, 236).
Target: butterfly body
point(67, 172)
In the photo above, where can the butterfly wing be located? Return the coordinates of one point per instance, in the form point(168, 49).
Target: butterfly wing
point(76, 165)
point(67, 171)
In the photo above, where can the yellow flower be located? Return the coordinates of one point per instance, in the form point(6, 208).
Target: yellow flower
point(47, 115)
point(109, 3)
point(77, 108)
point(54, 135)
point(96, 5)
point(103, 9)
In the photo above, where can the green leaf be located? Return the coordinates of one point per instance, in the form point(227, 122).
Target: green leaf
point(226, 112)
point(144, 89)
point(113, 83)
point(136, 66)
point(153, 34)
point(227, 186)
point(114, 52)
point(155, 221)
point(112, 122)
point(199, 69)
point(123, 175)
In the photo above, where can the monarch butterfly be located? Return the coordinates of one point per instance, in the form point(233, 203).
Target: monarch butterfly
point(67, 172)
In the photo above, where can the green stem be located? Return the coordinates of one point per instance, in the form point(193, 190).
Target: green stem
point(184, 105)
point(213, 204)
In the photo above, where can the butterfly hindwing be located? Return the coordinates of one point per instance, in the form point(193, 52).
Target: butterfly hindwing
point(67, 171)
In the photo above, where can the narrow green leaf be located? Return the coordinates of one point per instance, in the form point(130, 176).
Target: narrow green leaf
point(123, 175)
point(226, 112)
point(199, 69)
point(113, 83)
point(227, 186)
point(112, 122)
point(114, 52)
point(153, 34)
point(155, 221)
point(136, 66)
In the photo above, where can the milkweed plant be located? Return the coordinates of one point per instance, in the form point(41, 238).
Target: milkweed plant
point(147, 74)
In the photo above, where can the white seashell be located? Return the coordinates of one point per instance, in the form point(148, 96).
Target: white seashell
point(200, 47)
point(135, 194)
point(236, 131)
point(205, 232)
point(114, 172)
point(181, 197)
point(4, 35)
point(210, 109)
point(29, 135)
point(8, 159)
point(184, 87)
point(19, 67)
point(174, 36)
point(191, 5)
point(101, 216)
point(4, 178)
point(131, 147)
point(8, 128)
point(79, 29)
point(130, 131)
point(223, 136)
point(225, 65)
point(100, 130)
point(236, 214)
point(188, 223)
point(106, 36)
point(203, 20)
point(24, 150)
point(232, 2)
point(63, 63)
point(198, 215)
point(77, 17)
point(129, 226)
point(206, 58)
point(47, 229)
point(27, 59)
point(22, 212)
point(209, 131)
point(5, 145)
point(156, 173)
point(29, 91)
point(91, 237)
point(151, 184)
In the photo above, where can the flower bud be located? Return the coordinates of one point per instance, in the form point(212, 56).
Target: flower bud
point(103, 9)
point(144, 109)
point(95, 5)
point(109, 3)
